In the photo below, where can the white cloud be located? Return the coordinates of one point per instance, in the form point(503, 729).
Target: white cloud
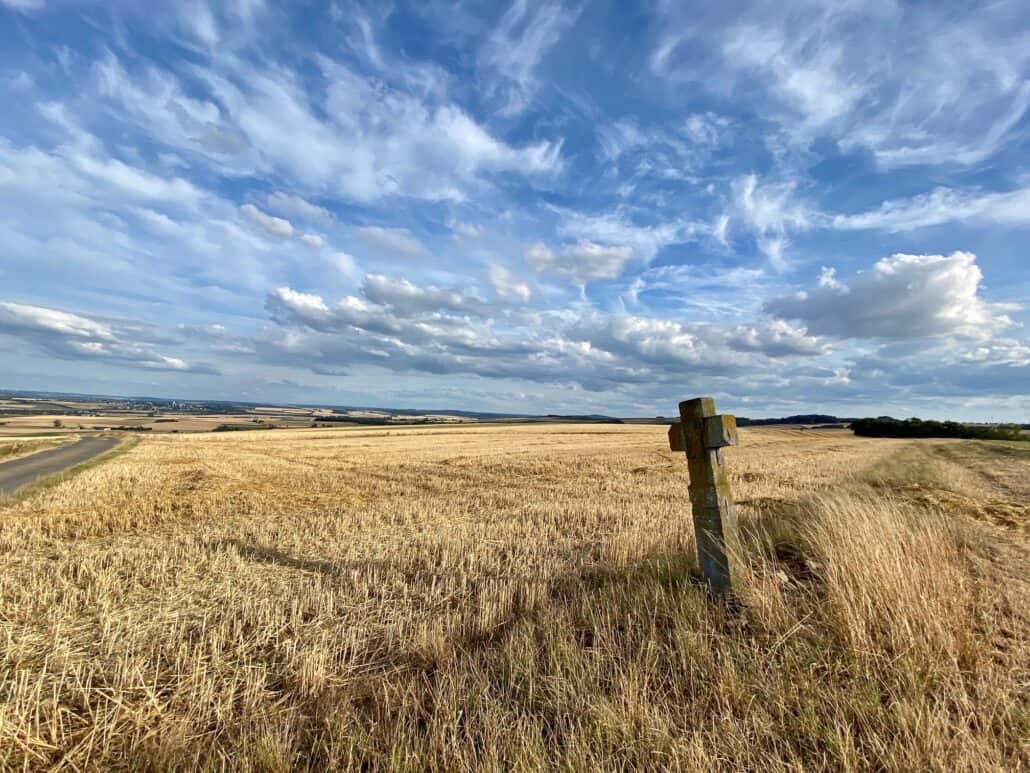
point(617, 228)
point(213, 331)
point(20, 81)
point(408, 299)
point(581, 262)
point(942, 205)
point(19, 316)
point(769, 207)
point(344, 263)
point(132, 181)
point(769, 211)
point(78, 337)
point(414, 323)
point(273, 226)
point(314, 241)
point(776, 337)
point(197, 18)
point(903, 296)
point(332, 132)
point(808, 77)
point(828, 278)
point(289, 205)
point(621, 136)
point(911, 85)
point(516, 47)
point(304, 305)
point(24, 5)
point(465, 230)
point(398, 241)
point(641, 156)
point(406, 327)
point(706, 129)
point(419, 329)
point(374, 141)
point(57, 217)
point(506, 285)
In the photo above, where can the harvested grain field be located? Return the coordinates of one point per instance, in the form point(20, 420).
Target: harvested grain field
point(515, 597)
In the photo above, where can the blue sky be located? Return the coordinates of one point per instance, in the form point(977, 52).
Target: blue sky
point(527, 206)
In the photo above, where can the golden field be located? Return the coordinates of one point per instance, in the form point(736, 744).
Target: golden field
point(516, 598)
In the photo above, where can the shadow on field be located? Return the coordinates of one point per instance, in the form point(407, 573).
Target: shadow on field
point(671, 570)
point(268, 555)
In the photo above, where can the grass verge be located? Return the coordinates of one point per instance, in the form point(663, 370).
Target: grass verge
point(16, 448)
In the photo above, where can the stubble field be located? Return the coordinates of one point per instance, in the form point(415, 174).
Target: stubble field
point(516, 598)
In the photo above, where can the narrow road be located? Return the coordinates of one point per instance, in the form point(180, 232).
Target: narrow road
point(28, 469)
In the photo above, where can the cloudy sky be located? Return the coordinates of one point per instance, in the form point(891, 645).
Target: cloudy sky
point(525, 206)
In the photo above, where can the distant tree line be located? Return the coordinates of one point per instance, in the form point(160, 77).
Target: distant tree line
point(377, 421)
point(593, 418)
point(887, 426)
point(804, 418)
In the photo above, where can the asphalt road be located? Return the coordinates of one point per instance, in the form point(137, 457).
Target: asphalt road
point(28, 469)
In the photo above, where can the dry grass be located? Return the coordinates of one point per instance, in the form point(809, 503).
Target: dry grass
point(512, 598)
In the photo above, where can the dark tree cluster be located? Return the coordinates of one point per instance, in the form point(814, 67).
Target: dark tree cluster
point(804, 418)
point(887, 426)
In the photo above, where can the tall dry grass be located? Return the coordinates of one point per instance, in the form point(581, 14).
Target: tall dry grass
point(508, 598)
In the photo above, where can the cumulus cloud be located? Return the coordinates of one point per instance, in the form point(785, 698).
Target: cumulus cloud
point(304, 306)
point(507, 285)
point(705, 346)
point(418, 329)
point(777, 338)
point(902, 296)
point(403, 326)
point(396, 241)
point(314, 241)
point(465, 230)
point(407, 299)
point(273, 226)
point(290, 205)
point(580, 262)
point(79, 337)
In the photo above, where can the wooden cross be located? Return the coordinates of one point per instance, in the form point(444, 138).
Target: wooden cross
point(701, 434)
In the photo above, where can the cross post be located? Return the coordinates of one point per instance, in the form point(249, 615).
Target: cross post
point(701, 434)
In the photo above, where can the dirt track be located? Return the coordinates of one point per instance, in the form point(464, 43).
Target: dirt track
point(28, 469)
